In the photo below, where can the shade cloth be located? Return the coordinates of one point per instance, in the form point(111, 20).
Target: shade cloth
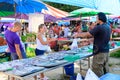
point(21, 6)
point(101, 5)
point(55, 12)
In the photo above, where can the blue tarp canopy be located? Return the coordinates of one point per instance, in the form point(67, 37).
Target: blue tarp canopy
point(22, 6)
point(81, 3)
point(101, 5)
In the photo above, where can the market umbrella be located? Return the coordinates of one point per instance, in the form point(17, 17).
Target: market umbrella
point(21, 6)
point(84, 12)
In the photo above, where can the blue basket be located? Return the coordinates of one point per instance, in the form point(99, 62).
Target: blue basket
point(69, 69)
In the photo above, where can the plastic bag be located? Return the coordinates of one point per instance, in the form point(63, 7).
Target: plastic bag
point(48, 49)
point(110, 76)
point(74, 44)
point(91, 75)
point(79, 77)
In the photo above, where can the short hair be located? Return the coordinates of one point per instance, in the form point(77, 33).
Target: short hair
point(91, 23)
point(102, 17)
point(40, 26)
point(55, 24)
point(17, 24)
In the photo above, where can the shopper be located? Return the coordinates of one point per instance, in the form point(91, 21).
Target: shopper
point(77, 28)
point(101, 34)
point(56, 29)
point(42, 44)
point(66, 31)
point(14, 42)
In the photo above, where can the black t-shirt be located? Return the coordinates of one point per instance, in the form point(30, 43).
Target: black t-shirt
point(101, 35)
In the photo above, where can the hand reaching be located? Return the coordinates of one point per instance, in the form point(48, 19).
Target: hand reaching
point(75, 35)
point(52, 39)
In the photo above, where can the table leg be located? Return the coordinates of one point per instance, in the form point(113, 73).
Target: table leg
point(8, 77)
point(35, 77)
point(63, 72)
point(88, 62)
point(80, 66)
point(88, 59)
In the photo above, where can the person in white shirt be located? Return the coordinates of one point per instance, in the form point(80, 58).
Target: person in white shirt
point(42, 43)
point(66, 31)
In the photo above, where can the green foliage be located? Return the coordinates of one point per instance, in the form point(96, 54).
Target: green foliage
point(23, 38)
point(115, 54)
point(30, 34)
point(29, 37)
point(30, 52)
point(65, 47)
point(110, 65)
point(67, 8)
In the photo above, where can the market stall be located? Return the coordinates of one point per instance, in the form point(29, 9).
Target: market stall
point(68, 42)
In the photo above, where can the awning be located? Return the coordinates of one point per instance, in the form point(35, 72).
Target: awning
point(101, 5)
point(55, 12)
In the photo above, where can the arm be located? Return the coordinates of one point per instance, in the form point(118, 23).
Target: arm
point(85, 34)
point(41, 40)
point(44, 42)
point(17, 47)
point(91, 33)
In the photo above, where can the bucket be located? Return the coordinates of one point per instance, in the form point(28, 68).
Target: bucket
point(69, 69)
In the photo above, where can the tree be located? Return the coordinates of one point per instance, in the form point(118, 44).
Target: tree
point(67, 8)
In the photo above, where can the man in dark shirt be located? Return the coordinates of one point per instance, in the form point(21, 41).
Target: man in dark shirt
point(101, 34)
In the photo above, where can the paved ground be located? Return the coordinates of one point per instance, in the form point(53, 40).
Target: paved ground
point(56, 74)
